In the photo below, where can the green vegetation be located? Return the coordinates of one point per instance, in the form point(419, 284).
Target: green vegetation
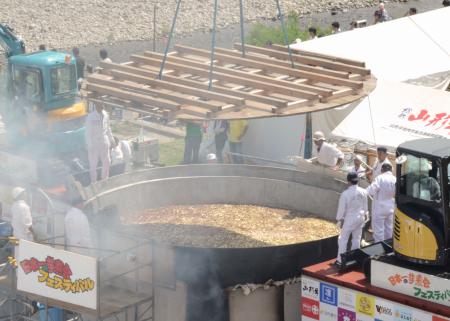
point(171, 153)
point(261, 34)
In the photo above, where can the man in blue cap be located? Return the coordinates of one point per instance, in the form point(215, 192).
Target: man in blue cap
point(351, 215)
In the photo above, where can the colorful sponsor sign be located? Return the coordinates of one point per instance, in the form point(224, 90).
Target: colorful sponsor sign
point(328, 312)
point(384, 310)
point(55, 274)
point(416, 284)
point(310, 308)
point(356, 306)
point(346, 315)
point(346, 299)
point(328, 294)
point(310, 288)
point(365, 304)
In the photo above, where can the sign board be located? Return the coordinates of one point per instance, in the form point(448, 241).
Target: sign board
point(56, 274)
point(413, 283)
point(323, 301)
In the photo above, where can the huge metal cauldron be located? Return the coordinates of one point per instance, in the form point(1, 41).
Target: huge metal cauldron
point(206, 269)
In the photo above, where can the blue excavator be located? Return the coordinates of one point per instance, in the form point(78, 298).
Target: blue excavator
point(43, 117)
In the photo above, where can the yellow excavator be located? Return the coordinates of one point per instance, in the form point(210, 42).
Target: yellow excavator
point(421, 222)
point(421, 232)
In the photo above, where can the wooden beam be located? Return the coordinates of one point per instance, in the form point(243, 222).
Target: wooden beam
point(274, 68)
point(226, 77)
point(308, 60)
point(145, 99)
point(243, 74)
point(319, 70)
point(139, 75)
point(167, 114)
point(190, 90)
point(176, 97)
point(317, 55)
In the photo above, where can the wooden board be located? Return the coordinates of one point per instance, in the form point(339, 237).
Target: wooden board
point(262, 83)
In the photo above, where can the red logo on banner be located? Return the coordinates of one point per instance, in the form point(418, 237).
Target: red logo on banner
point(438, 318)
point(310, 308)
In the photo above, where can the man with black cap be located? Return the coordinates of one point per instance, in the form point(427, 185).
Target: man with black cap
point(382, 191)
point(381, 159)
point(351, 215)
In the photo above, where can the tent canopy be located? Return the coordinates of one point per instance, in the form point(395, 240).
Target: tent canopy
point(397, 112)
point(401, 49)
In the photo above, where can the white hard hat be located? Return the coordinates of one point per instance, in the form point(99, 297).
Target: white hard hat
point(17, 191)
point(318, 136)
point(211, 157)
point(359, 157)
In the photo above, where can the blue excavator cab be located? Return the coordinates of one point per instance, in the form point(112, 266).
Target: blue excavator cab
point(41, 110)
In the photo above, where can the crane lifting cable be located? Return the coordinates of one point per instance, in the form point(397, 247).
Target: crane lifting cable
point(283, 28)
point(213, 45)
point(169, 41)
point(241, 12)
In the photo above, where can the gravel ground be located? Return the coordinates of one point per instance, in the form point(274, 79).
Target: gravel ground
point(129, 24)
point(121, 50)
point(230, 226)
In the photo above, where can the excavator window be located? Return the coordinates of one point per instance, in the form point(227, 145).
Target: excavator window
point(63, 79)
point(420, 179)
point(28, 84)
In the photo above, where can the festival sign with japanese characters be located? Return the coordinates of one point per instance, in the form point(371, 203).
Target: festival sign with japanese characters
point(335, 303)
point(416, 284)
point(55, 274)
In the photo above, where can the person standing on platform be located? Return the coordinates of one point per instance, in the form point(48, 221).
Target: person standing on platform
point(351, 215)
point(382, 190)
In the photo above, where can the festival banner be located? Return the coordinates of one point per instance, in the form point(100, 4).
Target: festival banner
point(56, 274)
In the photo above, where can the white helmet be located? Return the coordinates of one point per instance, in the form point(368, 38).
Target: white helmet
point(211, 157)
point(319, 136)
point(17, 191)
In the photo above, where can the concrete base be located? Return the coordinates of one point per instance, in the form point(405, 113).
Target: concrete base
point(260, 305)
point(170, 305)
point(292, 297)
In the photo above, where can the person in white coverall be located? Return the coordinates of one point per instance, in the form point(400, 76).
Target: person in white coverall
point(99, 140)
point(351, 215)
point(21, 221)
point(77, 229)
point(381, 159)
point(382, 190)
point(327, 154)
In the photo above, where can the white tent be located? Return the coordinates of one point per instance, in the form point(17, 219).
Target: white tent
point(399, 50)
point(397, 112)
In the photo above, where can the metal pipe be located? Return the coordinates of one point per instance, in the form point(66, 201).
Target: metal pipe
point(213, 45)
point(154, 27)
point(166, 51)
point(283, 28)
point(241, 12)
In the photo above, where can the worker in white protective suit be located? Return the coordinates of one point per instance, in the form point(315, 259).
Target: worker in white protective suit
point(77, 229)
point(327, 154)
point(358, 168)
point(381, 159)
point(351, 215)
point(382, 190)
point(21, 220)
point(99, 140)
